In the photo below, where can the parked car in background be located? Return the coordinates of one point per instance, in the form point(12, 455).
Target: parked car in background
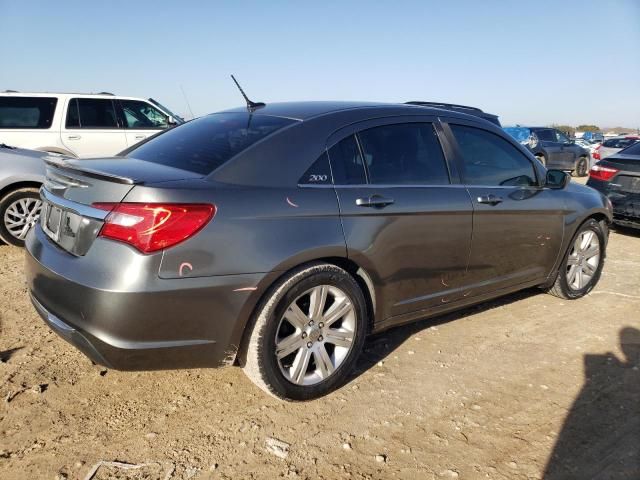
point(79, 125)
point(618, 177)
point(279, 236)
point(553, 148)
point(614, 145)
point(22, 173)
point(592, 137)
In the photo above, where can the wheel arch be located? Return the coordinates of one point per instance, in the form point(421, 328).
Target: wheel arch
point(359, 274)
point(17, 186)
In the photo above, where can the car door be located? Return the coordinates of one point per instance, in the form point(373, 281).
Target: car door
point(569, 151)
point(404, 221)
point(518, 225)
point(92, 128)
point(552, 149)
point(141, 120)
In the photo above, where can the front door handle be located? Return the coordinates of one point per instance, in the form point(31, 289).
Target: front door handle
point(74, 137)
point(490, 199)
point(375, 201)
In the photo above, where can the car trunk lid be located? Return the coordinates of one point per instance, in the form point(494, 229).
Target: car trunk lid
point(72, 187)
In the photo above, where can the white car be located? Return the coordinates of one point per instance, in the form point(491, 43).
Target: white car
point(80, 125)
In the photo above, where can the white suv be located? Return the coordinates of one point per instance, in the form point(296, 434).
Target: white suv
point(80, 125)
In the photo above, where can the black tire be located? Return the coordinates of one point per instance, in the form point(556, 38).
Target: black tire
point(561, 287)
point(581, 168)
point(261, 364)
point(5, 202)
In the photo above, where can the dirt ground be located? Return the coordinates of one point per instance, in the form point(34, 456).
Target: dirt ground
point(497, 391)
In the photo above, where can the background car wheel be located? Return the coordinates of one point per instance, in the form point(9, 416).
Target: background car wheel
point(582, 264)
point(307, 334)
point(582, 167)
point(542, 159)
point(19, 212)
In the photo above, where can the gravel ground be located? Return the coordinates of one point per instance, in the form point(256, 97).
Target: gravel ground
point(503, 390)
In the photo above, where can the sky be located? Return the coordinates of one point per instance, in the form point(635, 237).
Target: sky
point(542, 62)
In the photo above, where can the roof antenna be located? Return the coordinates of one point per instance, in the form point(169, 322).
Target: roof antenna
point(251, 106)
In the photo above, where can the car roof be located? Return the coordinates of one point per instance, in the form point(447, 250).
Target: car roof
point(306, 110)
point(13, 93)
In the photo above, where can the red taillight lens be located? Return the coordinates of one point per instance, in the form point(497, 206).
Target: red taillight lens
point(596, 153)
point(150, 227)
point(602, 173)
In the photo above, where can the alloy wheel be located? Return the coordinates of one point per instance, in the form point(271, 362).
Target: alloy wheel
point(21, 215)
point(315, 335)
point(584, 260)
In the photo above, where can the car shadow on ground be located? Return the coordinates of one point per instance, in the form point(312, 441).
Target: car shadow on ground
point(377, 347)
point(600, 438)
point(628, 231)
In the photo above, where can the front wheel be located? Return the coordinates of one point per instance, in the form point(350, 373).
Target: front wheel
point(307, 334)
point(583, 262)
point(19, 212)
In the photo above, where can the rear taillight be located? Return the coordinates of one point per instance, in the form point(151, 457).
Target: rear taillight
point(596, 153)
point(150, 227)
point(602, 173)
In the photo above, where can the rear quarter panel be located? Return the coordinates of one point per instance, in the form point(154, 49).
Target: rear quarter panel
point(255, 230)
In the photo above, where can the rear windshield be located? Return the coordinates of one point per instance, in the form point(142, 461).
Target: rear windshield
point(27, 112)
point(521, 134)
point(204, 144)
point(632, 150)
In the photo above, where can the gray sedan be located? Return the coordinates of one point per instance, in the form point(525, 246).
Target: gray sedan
point(21, 175)
point(277, 237)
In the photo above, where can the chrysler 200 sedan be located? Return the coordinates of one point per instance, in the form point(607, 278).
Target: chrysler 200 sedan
point(277, 238)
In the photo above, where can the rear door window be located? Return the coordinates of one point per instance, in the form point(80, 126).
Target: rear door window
point(204, 144)
point(491, 160)
point(27, 112)
point(94, 113)
point(347, 163)
point(404, 154)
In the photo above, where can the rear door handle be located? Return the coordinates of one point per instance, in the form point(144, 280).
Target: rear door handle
point(375, 201)
point(140, 137)
point(490, 199)
point(74, 137)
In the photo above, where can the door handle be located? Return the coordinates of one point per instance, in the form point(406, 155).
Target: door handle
point(74, 137)
point(490, 199)
point(375, 201)
point(140, 137)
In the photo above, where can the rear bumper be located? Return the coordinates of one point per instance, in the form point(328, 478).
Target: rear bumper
point(112, 306)
point(626, 205)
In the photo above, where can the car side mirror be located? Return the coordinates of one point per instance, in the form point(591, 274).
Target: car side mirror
point(171, 121)
point(557, 179)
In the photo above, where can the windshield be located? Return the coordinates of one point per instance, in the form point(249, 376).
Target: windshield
point(204, 144)
point(177, 118)
point(521, 134)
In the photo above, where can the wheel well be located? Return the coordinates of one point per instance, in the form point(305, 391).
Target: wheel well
point(346, 264)
point(17, 186)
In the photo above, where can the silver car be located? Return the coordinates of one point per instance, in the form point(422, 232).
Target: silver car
point(614, 145)
point(22, 173)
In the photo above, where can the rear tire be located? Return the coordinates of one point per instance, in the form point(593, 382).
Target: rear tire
point(291, 352)
point(581, 168)
point(582, 264)
point(19, 212)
